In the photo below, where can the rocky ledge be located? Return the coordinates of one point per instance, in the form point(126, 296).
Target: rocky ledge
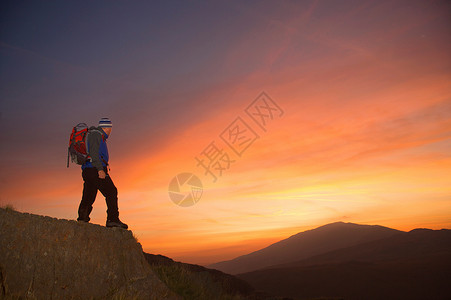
point(48, 258)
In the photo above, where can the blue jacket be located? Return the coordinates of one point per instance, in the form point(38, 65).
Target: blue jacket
point(97, 149)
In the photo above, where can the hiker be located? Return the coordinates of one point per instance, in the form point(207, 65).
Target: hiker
point(95, 176)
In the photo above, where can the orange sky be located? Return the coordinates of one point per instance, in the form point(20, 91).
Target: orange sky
point(365, 137)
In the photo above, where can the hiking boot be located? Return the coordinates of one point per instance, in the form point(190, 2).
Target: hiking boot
point(83, 214)
point(116, 223)
point(83, 218)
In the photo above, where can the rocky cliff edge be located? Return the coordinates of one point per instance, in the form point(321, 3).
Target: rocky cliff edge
point(48, 258)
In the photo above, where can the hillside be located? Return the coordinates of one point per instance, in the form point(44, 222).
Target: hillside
point(47, 258)
point(196, 282)
point(410, 265)
point(414, 245)
point(306, 244)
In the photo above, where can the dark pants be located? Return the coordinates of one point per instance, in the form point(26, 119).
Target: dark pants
point(92, 183)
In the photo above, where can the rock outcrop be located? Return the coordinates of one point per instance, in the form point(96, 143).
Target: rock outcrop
point(48, 258)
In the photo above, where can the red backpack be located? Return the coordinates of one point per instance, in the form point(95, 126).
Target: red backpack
point(77, 145)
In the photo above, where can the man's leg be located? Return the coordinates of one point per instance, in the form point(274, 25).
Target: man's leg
point(109, 190)
point(90, 178)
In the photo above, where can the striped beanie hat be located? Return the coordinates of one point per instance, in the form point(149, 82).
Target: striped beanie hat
point(105, 122)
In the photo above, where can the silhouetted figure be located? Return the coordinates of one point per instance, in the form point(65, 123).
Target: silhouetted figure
point(96, 177)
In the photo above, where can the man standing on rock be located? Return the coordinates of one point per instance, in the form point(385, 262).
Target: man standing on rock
point(95, 176)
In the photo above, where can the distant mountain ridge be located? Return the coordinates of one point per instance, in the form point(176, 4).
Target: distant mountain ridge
point(306, 244)
point(404, 246)
point(408, 265)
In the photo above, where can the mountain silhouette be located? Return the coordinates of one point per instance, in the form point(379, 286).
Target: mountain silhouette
point(417, 244)
point(408, 265)
point(306, 244)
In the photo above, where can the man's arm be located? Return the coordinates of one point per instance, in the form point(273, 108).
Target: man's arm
point(94, 140)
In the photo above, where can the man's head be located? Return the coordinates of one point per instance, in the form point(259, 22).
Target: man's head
point(106, 125)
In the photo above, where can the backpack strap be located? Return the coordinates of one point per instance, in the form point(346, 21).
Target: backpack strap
point(68, 154)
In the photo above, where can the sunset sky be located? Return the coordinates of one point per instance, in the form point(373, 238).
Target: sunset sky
point(364, 137)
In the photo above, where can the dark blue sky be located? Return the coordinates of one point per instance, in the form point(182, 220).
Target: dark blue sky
point(69, 61)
